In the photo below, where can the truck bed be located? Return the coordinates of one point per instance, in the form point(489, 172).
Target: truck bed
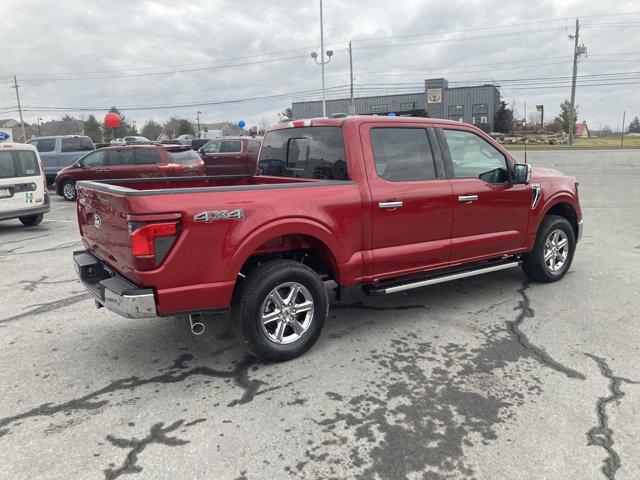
point(166, 185)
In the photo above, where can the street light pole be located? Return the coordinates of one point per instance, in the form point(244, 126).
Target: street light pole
point(198, 116)
point(322, 62)
point(352, 104)
point(324, 101)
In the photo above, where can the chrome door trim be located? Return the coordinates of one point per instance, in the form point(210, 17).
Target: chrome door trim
point(467, 198)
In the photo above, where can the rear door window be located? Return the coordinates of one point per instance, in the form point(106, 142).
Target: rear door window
point(7, 166)
point(183, 156)
point(231, 146)
point(146, 156)
point(18, 164)
point(402, 154)
point(254, 145)
point(121, 157)
point(306, 152)
point(27, 164)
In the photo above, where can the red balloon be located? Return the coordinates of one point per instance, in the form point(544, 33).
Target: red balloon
point(112, 120)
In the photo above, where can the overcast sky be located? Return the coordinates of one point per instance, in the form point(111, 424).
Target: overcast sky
point(94, 54)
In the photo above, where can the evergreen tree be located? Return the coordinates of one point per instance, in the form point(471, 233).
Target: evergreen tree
point(634, 126)
point(503, 122)
point(123, 129)
point(152, 130)
point(565, 115)
point(92, 129)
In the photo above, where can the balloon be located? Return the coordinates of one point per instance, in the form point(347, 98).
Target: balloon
point(241, 124)
point(112, 120)
point(391, 114)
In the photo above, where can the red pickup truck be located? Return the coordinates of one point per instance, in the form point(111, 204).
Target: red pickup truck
point(388, 204)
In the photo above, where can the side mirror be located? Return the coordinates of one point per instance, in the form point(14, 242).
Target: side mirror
point(523, 173)
point(78, 164)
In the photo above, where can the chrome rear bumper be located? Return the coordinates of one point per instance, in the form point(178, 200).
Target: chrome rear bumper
point(113, 291)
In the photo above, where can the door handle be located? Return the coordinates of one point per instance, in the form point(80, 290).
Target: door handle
point(394, 204)
point(467, 198)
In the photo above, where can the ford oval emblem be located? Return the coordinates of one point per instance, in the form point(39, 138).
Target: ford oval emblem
point(4, 136)
point(97, 221)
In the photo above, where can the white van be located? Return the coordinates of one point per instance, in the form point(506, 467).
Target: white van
point(23, 188)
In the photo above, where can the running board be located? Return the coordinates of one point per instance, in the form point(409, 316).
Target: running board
point(442, 279)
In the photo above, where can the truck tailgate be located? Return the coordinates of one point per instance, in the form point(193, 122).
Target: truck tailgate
point(102, 217)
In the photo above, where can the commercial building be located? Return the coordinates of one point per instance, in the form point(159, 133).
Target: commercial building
point(475, 104)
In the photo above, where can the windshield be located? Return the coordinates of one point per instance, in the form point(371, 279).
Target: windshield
point(183, 156)
point(307, 152)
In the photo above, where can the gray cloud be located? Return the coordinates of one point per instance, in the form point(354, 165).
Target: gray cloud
point(100, 36)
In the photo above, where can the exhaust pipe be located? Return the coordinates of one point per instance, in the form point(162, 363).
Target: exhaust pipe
point(197, 326)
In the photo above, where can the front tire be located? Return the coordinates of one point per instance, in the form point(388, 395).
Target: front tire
point(552, 252)
point(68, 190)
point(280, 310)
point(32, 220)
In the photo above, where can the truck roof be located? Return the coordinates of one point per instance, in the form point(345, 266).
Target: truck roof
point(17, 146)
point(338, 122)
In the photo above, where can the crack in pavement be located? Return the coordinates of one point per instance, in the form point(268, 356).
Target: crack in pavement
point(602, 435)
point(25, 240)
point(539, 353)
point(177, 373)
point(12, 251)
point(30, 285)
point(158, 434)
point(41, 308)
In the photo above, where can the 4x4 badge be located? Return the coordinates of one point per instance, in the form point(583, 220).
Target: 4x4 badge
point(212, 215)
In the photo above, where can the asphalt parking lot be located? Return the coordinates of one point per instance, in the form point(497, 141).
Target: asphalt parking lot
point(491, 377)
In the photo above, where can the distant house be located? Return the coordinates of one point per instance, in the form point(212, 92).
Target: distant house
point(16, 130)
point(581, 130)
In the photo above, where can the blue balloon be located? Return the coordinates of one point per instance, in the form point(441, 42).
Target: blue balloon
point(241, 124)
point(391, 114)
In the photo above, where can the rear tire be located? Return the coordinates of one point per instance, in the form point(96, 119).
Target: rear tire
point(68, 191)
point(280, 310)
point(552, 252)
point(32, 220)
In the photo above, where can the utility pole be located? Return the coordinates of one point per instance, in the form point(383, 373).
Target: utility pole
point(624, 113)
point(198, 116)
point(352, 104)
point(24, 130)
point(576, 54)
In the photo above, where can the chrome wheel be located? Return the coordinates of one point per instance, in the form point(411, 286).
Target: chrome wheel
point(286, 313)
point(69, 191)
point(556, 250)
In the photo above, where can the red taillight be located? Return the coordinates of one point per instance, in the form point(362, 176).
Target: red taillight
point(143, 240)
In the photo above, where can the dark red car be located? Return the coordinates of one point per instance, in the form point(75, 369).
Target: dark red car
point(231, 155)
point(140, 161)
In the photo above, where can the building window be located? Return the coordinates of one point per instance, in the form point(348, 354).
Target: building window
point(407, 106)
point(480, 114)
point(456, 112)
point(381, 108)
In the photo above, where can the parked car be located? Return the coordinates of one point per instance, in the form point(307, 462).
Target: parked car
point(57, 152)
point(184, 139)
point(129, 162)
point(23, 188)
point(403, 203)
point(231, 155)
point(136, 140)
